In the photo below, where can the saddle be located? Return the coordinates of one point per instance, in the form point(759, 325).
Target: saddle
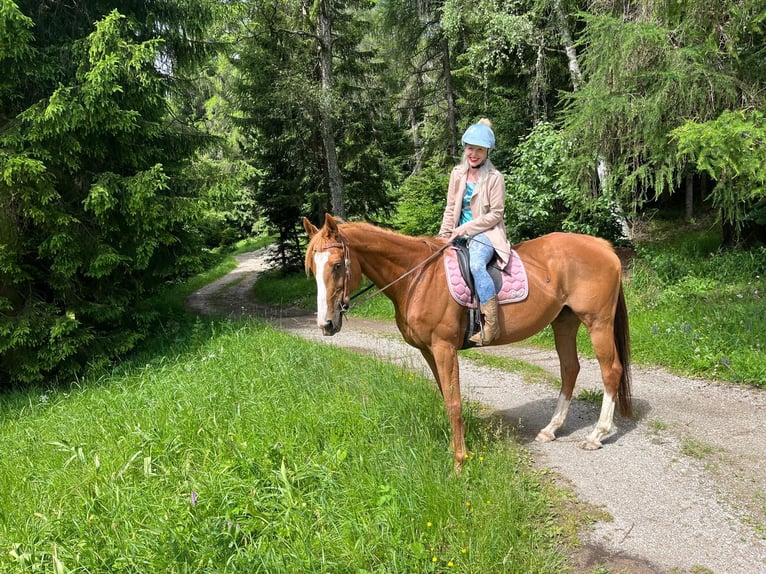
point(511, 284)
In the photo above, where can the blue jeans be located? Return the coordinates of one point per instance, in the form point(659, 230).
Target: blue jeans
point(481, 251)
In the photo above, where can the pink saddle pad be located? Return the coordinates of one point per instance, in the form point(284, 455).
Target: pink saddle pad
point(515, 286)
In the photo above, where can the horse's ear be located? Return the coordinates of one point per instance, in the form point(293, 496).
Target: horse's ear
point(311, 229)
point(330, 223)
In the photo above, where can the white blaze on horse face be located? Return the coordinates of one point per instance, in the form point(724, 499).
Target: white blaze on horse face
point(320, 262)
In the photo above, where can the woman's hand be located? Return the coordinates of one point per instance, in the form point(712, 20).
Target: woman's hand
point(457, 232)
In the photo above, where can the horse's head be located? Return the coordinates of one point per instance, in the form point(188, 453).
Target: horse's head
point(328, 258)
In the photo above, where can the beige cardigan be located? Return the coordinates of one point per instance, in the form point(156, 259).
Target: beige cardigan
point(487, 207)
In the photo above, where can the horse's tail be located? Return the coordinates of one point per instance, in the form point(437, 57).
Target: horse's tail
point(622, 342)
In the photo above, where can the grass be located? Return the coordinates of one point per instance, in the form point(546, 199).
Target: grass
point(285, 290)
point(694, 308)
point(707, 320)
point(592, 396)
point(695, 448)
point(232, 447)
point(658, 426)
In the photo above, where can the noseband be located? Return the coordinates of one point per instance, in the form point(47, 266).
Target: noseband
point(343, 304)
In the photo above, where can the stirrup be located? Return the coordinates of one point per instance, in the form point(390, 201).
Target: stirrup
point(478, 334)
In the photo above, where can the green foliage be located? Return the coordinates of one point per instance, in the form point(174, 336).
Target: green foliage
point(646, 74)
point(499, 32)
point(95, 209)
point(420, 203)
point(231, 212)
point(540, 198)
point(282, 126)
point(503, 66)
point(255, 451)
point(731, 150)
point(15, 35)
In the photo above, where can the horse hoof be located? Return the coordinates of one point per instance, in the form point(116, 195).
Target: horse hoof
point(545, 436)
point(590, 444)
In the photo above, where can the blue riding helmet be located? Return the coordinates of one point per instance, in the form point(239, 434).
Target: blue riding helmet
point(480, 135)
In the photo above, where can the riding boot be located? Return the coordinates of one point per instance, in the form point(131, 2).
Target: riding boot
point(491, 328)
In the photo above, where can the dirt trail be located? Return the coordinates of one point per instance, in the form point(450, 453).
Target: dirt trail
point(684, 481)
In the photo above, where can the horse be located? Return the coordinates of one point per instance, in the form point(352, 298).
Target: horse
point(573, 279)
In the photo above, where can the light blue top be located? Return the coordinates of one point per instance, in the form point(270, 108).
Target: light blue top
point(465, 214)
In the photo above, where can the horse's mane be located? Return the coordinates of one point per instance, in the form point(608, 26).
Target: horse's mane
point(433, 243)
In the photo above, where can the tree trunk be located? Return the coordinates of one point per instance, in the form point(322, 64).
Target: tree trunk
point(324, 36)
point(450, 99)
point(568, 43)
point(417, 142)
point(537, 89)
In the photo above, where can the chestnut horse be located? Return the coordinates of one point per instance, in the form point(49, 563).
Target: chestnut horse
point(573, 279)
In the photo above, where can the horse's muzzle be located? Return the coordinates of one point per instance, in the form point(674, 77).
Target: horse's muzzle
point(330, 328)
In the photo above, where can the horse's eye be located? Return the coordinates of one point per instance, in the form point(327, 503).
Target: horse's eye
point(337, 266)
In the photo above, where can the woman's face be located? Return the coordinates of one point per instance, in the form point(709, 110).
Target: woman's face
point(476, 155)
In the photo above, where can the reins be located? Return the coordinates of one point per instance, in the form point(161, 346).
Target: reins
point(405, 274)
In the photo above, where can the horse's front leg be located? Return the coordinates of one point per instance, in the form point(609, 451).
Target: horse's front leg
point(445, 367)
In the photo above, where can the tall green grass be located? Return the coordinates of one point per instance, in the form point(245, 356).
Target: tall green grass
point(232, 447)
point(703, 315)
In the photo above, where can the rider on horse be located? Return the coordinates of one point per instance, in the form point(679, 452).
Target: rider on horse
point(475, 209)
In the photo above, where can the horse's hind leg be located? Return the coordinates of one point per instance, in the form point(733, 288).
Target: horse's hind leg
point(565, 335)
point(611, 372)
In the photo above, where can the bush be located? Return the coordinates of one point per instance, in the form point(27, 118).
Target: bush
point(421, 202)
point(541, 199)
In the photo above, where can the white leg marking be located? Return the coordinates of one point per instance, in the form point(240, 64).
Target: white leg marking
point(557, 420)
point(603, 427)
point(320, 261)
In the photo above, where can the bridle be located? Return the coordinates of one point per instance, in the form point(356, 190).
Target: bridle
point(344, 303)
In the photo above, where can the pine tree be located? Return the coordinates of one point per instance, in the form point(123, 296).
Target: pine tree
point(97, 209)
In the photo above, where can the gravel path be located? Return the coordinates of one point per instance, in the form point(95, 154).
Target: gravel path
point(683, 483)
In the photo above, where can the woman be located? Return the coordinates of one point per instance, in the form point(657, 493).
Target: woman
point(475, 209)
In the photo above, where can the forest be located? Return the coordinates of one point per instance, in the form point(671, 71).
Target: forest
point(139, 138)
